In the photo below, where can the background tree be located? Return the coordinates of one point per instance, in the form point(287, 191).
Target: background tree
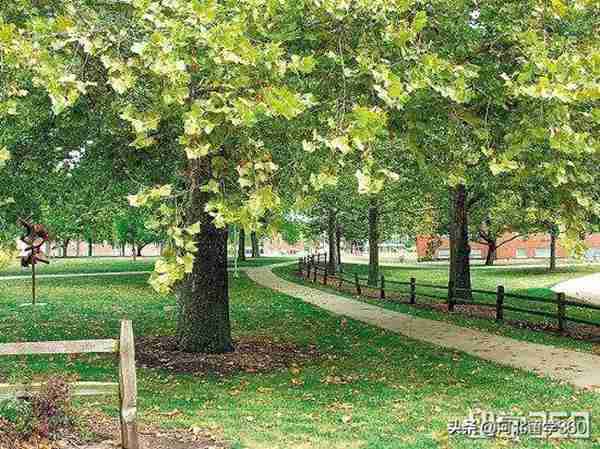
point(529, 91)
point(131, 228)
point(7, 245)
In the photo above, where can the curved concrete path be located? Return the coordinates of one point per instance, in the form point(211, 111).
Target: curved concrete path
point(577, 368)
point(586, 288)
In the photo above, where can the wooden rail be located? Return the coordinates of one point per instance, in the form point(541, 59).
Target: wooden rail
point(60, 347)
point(313, 270)
point(126, 388)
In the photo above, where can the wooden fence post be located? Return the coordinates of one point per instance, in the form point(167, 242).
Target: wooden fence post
point(450, 296)
point(561, 311)
point(357, 282)
point(413, 290)
point(382, 290)
point(500, 303)
point(128, 387)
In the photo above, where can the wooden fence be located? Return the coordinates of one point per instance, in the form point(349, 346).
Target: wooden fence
point(311, 270)
point(126, 388)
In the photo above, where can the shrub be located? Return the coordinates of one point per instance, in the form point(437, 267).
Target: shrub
point(42, 415)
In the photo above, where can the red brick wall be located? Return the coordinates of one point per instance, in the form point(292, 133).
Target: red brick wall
point(509, 250)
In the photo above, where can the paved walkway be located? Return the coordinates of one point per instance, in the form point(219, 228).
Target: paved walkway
point(577, 368)
point(586, 288)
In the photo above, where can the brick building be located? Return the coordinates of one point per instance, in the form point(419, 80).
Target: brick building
point(535, 246)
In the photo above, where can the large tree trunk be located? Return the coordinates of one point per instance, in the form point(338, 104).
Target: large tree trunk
point(553, 237)
point(491, 253)
point(373, 242)
point(460, 250)
point(331, 240)
point(242, 245)
point(338, 246)
point(255, 246)
point(203, 298)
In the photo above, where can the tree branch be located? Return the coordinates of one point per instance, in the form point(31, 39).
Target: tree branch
point(509, 240)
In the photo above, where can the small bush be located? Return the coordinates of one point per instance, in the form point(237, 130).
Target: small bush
point(44, 415)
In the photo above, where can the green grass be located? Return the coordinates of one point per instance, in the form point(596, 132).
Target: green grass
point(523, 280)
point(397, 393)
point(112, 264)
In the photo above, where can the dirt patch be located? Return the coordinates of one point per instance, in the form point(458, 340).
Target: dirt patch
point(159, 440)
point(576, 331)
point(103, 433)
point(252, 355)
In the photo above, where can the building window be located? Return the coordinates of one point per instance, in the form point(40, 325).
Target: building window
point(542, 252)
point(521, 253)
point(443, 254)
point(593, 254)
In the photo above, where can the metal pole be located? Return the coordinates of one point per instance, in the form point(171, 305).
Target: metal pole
point(33, 279)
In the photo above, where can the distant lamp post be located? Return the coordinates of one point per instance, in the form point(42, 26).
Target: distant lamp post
point(34, 238)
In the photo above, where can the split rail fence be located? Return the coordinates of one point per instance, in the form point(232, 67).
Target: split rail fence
point(126, 388)
point(314, 268)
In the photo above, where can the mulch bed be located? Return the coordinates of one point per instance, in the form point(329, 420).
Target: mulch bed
point(252, 355)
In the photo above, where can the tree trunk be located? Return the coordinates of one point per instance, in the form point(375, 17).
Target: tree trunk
point(553, 237)
point(65, 248)
point(460, 250)
point(492, 253)
point(203, 323)
point(338, 245)
point(331, 240)
point(90, 248)
point(133, 251)
point(242, 245)
point(255, 246)
point(140, 248)
point(373, 242)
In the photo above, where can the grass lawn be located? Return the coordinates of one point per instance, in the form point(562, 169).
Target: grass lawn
point(369, 389)
point(112, 264)
point(528, 281)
